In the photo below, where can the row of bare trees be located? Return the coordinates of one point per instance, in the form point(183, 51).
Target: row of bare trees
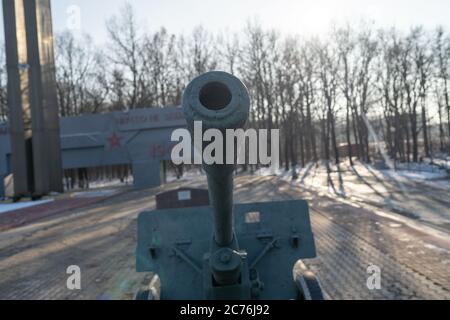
point(352, 94)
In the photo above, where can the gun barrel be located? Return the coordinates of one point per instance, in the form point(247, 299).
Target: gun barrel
point(220, 101)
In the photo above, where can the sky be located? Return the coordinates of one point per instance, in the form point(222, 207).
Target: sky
point(306, 17)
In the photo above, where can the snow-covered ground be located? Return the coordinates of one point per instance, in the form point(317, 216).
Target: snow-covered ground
point(94, 193)
point(187, 175)
point(441, 160)
point(108, 183)
point(20, 205)
point(419, 191)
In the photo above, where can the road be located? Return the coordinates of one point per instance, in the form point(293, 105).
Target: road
point(414, 260)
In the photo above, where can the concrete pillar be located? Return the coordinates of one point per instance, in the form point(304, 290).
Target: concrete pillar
point(2, 187)
point(147, 174)
point(34, 121)
point(19, 107)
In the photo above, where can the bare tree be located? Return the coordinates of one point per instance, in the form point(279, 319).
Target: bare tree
point(81, 77)
point(346, 46)
point(230, 51)
point(160, 67)
point(442, 59)
point(390, 86)
point(328, 77)
point(126, 53)
point(307, 82)
point(201, 52)
point(367, 51)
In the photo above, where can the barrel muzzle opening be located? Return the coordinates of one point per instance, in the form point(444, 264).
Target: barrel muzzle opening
point(215, 96)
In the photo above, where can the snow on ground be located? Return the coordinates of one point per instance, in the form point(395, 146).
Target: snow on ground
point(108, 183)
point(187, 175)
point(94, 193)
point(415, 175)
point(21, 205)
point(441, 160)
point(419, 191)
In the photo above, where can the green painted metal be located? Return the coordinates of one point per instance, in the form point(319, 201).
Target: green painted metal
point(225, 251)
point(173, 243)
point(229, 111)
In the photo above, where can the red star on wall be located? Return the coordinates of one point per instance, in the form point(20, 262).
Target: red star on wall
point(115, 141)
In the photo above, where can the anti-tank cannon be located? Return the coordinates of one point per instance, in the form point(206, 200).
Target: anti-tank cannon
point(226, 250)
